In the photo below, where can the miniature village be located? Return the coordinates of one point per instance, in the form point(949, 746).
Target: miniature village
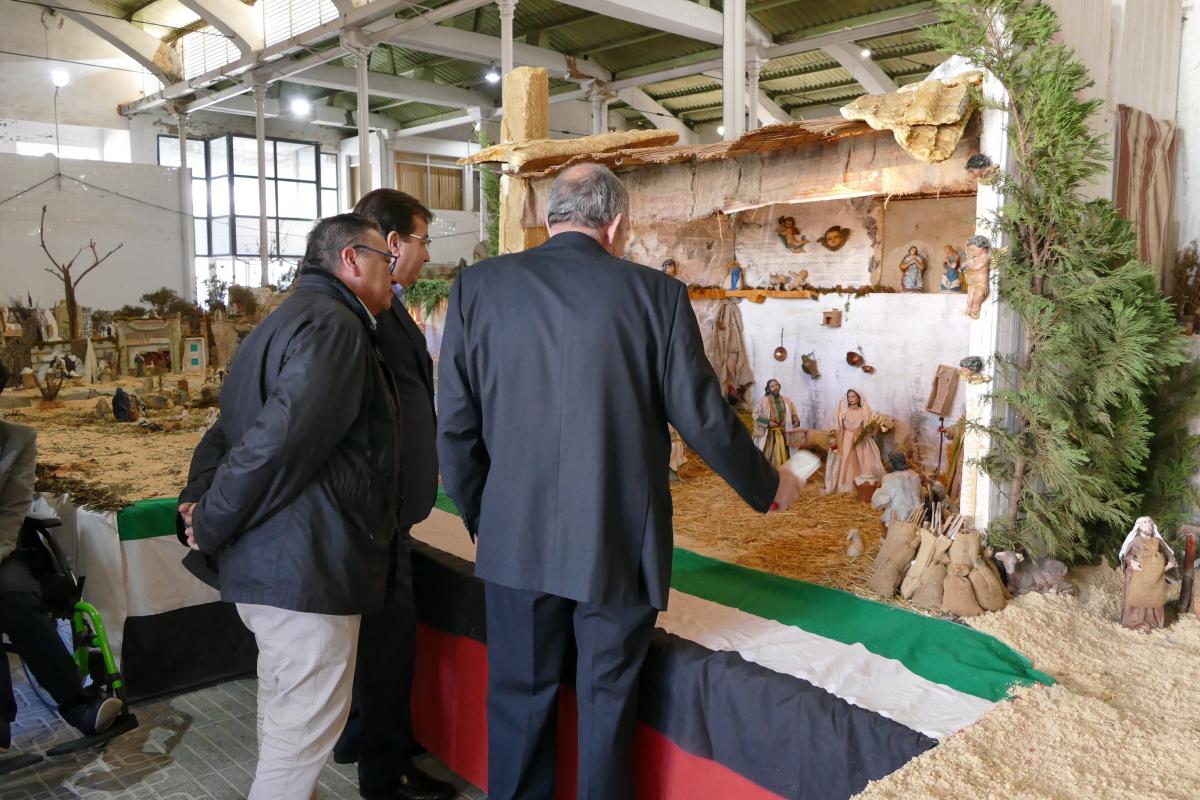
point(885, 332)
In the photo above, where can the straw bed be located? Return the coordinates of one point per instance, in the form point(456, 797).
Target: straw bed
point(807, 542)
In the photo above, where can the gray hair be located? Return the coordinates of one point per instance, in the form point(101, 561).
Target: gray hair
point(980, 241)
point(328, 236)
point(587, 195)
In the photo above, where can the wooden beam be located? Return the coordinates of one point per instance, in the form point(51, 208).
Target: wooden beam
point(526, 116)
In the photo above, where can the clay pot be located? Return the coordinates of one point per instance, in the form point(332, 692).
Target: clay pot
point(854, 359)
point(867, 368)
point(780, 353)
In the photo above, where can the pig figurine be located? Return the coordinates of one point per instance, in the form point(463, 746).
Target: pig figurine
point(1037, 575)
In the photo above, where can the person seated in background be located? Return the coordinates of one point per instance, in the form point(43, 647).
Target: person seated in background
point(23, 616)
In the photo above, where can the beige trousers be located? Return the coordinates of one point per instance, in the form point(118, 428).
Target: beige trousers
point(305, 677)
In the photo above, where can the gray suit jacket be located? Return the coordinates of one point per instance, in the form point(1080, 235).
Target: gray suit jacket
point(560, 369)
point(18, 456)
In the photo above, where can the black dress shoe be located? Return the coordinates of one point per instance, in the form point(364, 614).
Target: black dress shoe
point(414, 785)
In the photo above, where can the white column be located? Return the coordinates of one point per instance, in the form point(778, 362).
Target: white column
point(362, 58)
point(188, 213)
point(728, 76)
point(753, 70)
point(998, 329)
point(738, 68)
point(599, 112)
point(507, 9)
point(387, 159)
point(260, 133)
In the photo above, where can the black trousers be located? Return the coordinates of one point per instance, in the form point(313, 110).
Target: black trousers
point(529, 639)
point(379, 732)
point(34, 635)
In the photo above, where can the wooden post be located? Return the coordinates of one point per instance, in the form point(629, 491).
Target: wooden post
point(526, 116)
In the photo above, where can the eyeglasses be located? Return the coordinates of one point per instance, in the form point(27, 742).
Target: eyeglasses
point(391, 258)
point(425, 240)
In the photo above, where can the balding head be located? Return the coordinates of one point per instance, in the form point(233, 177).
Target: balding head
point(590, 199)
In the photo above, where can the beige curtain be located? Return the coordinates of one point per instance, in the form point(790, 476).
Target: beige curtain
point(1145, 177)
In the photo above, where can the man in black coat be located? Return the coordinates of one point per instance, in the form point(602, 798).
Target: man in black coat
point(300, 510)
point(560, 369)
point(379, 732)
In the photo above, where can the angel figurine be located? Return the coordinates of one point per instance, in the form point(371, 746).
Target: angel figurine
point(976, 273)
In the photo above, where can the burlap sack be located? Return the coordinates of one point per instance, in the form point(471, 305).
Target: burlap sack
point(989, 591)
point(903, 528)
point(897, 551)
point(958, 597)
point(965, 549)
point(1147, 587)
point(929, 591)
point(924, 557)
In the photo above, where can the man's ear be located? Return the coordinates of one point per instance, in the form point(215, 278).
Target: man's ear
point(393, 240)
point(349, 258)
point(613, 229)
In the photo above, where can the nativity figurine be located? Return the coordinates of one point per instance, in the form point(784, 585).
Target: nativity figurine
point(774, 418)
point(951, 271)
point(669, 267)
point(912, 270)
point(852, 449)
point(835, 238)
point(976, 273)
point(899, 492)
point(981, 168)
point(1145, 559)
point(735, 275)
point(791, 238)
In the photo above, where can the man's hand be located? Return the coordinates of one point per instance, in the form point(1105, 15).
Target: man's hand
point(788, 492)
point(185, 511)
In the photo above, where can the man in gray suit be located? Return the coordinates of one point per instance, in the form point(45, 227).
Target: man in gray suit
point(560, 369)
point(23, 615)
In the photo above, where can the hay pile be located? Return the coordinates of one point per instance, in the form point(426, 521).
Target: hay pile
point(806, 542)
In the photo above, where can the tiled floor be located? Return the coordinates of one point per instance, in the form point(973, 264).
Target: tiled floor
point(195, 746)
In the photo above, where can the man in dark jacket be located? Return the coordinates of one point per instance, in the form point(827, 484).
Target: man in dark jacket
point(560, 369)
point(379, 732)
point(300, 512)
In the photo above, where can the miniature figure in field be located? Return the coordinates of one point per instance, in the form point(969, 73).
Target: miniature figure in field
point(899, 491)
point(853, 452)
point(1145, 558)
point(774, 417)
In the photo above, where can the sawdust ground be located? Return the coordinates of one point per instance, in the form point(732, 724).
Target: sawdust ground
point(134, 462)
point(1121, 723)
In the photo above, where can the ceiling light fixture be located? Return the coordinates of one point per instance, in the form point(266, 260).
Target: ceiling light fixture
point(492, 75)
point(720, 130)
point(301, 107)
point(866, 52)
point(60, 78)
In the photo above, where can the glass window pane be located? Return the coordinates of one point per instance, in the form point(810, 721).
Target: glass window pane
point(245, 156)
point(168, 151)
point(329, 205)
point(297, 200)
point(329, 170)
point(295, 160)
point(291, 236)
point(201, 237)
point(219, 194)
point(196, 158)
point(246, 230)
point(199, 198)
point(218, 156)
point(245, 196)
point(220, 236)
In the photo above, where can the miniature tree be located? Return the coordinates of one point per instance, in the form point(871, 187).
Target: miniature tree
point(490, 181)
point(1099, 337)
point(162, 300)
point(70, 282)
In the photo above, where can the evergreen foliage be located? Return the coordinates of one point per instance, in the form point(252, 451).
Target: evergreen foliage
point(1072, 435)
point(426, 294)
point(490, 179)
